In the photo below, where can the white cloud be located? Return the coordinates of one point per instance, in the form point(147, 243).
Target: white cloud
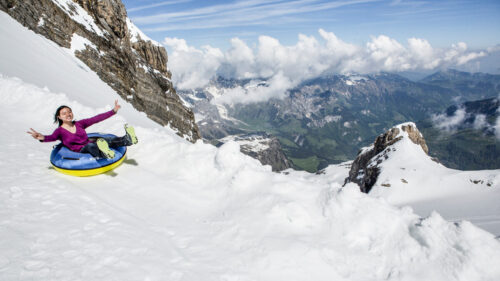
point(452, 123)
point(237, 13)
point(191, 67)
point(156, 5)
point(240, 59)
point(480, 122)
point(308, 58)
point(449, 123)
point(256, 92)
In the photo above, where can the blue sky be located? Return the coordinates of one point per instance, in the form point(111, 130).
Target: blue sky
point(214, 23)
point(290, 41)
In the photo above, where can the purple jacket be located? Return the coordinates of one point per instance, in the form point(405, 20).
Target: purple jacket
point(79, 139)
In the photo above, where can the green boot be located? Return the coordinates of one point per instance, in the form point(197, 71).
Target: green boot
point(131, 133)
point(104, 148)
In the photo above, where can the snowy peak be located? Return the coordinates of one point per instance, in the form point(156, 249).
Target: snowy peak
point(366, 167)
point(408, 131)
point(398, 168)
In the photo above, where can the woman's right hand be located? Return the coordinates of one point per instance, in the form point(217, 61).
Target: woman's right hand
point(36, 135)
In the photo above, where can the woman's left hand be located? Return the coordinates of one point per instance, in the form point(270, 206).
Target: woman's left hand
point(117, 106)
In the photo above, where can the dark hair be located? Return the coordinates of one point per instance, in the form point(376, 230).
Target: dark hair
point(57, 114)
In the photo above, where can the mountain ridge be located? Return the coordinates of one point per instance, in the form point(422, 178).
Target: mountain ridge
point(325, 119)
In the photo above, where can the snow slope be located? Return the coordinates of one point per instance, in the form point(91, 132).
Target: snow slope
point(181, 211)
point(416, 180)
point(43, 63)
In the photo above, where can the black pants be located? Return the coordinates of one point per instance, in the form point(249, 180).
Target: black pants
point(113, 142)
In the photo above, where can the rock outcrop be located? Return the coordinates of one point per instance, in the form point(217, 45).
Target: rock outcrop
point(134, 66)
point(263, 147)
point(365, 168)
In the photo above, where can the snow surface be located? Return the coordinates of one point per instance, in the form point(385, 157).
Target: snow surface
point(137, 34)
point(180, 211)
point(426, 185)
point(43, 63)
point(79, 43)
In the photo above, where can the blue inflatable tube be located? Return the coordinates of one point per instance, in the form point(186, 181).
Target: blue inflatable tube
point(84, 164)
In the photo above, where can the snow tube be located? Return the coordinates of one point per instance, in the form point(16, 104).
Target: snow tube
point(84, 164)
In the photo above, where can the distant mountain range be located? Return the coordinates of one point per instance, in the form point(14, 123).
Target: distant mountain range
point(469, 86)
point(325, 120)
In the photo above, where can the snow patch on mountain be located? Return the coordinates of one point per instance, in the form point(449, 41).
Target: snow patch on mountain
point(80, 43)
point(79, 15)
point(255, 143)
point(136, 34)
point(351, 79)
point(324, 121)
point(41, 22)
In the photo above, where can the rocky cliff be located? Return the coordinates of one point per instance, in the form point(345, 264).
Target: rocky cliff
point(365, 168)
point(132, 64)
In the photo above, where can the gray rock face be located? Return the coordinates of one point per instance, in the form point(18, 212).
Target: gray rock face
point(136, 69)
point(263, 147)
point(365, 168)
point(272, 156)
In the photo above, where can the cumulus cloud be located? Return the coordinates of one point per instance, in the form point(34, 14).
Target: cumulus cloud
point(275, 87)
point(461, 119)
point(191, 67)
point(480, 122)
point(287, 66)
point(449, 123)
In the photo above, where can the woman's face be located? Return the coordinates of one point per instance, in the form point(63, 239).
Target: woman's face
point(65, 114)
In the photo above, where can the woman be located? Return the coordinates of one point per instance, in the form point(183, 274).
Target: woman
point(73, 135)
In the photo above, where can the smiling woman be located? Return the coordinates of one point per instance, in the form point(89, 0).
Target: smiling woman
point(63, 112)
point(73, 136)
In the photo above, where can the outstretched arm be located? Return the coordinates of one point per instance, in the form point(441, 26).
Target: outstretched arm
point(36, 135)
point(100, 117)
